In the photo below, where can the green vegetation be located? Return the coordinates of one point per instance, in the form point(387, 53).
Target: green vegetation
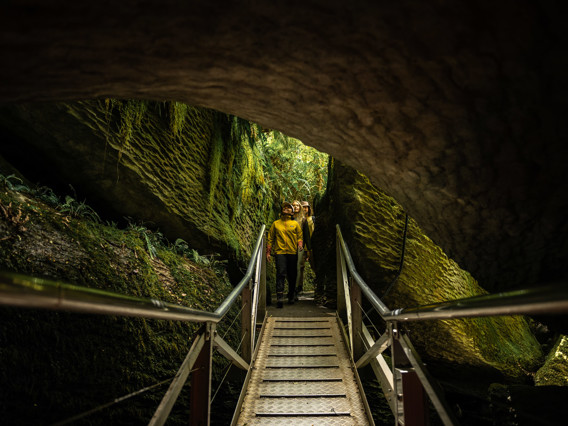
point(295, 171)
point(555, 369)
point(372, 224)
point(78, 209)
point(219, 173)
point(61, 363)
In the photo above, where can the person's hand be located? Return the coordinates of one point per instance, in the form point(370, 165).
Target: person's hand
point(300, 245)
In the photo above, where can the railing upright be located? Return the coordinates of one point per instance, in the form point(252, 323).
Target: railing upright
point(200, 406)
point(411, 404)
point(246, 319)
point(341, 282)
point(357, 320)
point(162, 412)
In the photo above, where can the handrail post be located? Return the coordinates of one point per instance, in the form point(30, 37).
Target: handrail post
point(341, 305)
point(262, 284)
point(411, 406)
point(200, 402)
point(246, 318)
point(357, 320)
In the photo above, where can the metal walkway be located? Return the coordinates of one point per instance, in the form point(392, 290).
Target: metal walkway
point(302, 375)
point(301, 372)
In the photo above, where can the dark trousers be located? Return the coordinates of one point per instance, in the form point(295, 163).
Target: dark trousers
point(286, 267)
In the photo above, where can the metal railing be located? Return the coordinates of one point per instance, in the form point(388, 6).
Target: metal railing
point(408, 381)
point(22, 291)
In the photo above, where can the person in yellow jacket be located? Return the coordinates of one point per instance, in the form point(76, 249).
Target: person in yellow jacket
point(284, 240)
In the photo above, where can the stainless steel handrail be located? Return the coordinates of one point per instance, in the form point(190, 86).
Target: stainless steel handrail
point(377, 303)
point(230, 299)
point(545, 300)
point(551, 299)
point(548, 300)
point(22, 291)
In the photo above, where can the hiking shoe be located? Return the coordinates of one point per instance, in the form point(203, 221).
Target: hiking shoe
point(291, 301)
point(279, 304)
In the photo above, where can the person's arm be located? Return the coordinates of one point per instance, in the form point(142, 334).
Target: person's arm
point(298, 231)
point(270, 240)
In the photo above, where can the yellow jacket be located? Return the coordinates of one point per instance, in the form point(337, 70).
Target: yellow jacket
point(283, 236)
point(311, 224)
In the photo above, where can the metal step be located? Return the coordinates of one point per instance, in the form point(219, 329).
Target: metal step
point(302, 375)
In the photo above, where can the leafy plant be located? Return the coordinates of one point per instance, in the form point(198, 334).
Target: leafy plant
point(181, 247)
point(153, 240)
point(112, 224)
point(13, 183)
point(78, 209)
point(295, 171)
point(47, 195)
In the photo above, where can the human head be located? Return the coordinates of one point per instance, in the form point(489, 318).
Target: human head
point(306, 208)
point(287, 209)
point(297, 206)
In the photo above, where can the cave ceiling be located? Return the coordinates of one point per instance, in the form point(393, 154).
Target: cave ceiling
point(456, 109)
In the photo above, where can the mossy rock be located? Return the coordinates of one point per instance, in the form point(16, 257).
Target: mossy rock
point(186, 171)
point(372, 225)
point(61, 364)
point(555, 368)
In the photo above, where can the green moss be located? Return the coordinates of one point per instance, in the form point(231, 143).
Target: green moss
point(216, 152)
point(202, 162)
point(373, 226)
point(555, 369)
point(61, 363)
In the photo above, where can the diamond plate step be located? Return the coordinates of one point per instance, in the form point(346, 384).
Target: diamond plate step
point(302, 375)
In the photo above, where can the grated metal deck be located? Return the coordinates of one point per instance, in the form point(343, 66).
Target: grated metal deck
point(302, 375)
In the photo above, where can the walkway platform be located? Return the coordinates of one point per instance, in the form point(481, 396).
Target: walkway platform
point(302, 374)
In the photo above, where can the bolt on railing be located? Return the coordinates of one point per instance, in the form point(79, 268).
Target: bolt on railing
point(22, 291)
point(407, 382)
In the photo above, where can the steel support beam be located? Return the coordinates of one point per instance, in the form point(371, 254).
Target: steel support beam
point(246, 317)
point(200, 403)
point(169, 399)
point(228, 352)
point(357, 321)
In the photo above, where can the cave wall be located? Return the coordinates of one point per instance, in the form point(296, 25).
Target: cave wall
point(181, 170)
point(454, 109)
point(372, 224)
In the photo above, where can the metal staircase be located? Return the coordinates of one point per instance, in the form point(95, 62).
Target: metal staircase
point(301, 370)
point(302, 374)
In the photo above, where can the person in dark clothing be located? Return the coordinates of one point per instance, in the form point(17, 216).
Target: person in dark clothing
point(285, 239)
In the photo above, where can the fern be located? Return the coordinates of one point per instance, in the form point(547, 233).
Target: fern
point(13, 183)
point(78, 209)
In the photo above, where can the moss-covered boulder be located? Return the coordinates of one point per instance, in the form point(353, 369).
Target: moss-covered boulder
point(190, 172)
point(57, 364)
point(555, 368)
point(373, 227)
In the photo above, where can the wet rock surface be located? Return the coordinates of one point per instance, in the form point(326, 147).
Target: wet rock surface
point(128, 160)
point(372, 224)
